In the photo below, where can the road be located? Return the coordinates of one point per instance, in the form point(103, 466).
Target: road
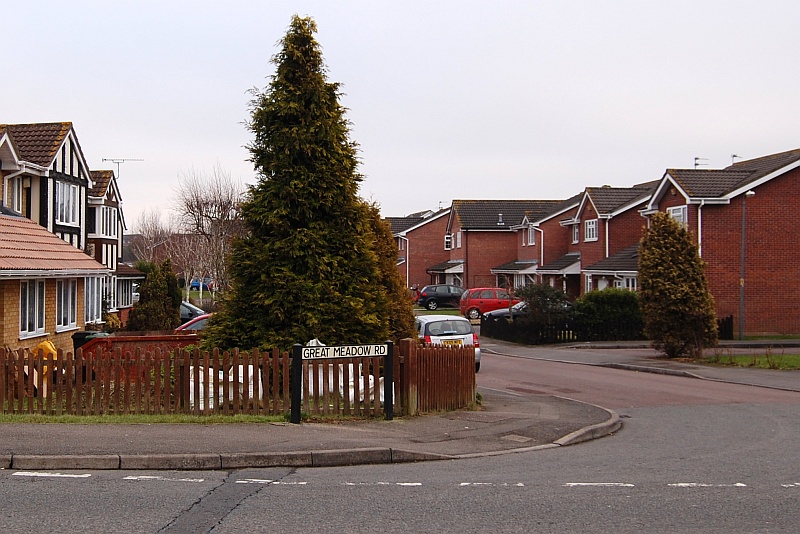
point(692, 456)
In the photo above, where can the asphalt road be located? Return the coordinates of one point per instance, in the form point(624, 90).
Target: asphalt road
point(692, 456)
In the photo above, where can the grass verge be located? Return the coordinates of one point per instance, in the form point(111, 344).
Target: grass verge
point(758, 360)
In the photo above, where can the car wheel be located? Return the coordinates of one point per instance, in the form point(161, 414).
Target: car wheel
point(473, 313)
point(432, 304)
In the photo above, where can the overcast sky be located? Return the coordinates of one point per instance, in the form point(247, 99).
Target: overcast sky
point(447, 99)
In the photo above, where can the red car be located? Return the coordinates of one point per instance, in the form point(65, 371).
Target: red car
point(479, 300)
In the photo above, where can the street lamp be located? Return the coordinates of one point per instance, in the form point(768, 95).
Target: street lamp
point(741, 279)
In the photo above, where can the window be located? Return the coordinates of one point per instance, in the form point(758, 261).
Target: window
point(66, 203)
point(576, 233)
point(93, 299)
point(588, 283)
point(531, 235)
point(108, 221)
point(458, 239)
point(66, 304)
point(16, 194)
point(627, 282)
point(680, 214)
point(448, 241)
point(590, 230)
point(31, 308)
point(124, 293)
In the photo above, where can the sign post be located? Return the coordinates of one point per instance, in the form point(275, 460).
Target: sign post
point(300, 353)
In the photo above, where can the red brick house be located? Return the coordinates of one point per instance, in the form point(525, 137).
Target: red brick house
point(745, 219)
point(602, 222)
point(541, 239)
point(419, 245)
point(482, 241)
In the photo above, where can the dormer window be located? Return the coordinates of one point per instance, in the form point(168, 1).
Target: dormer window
point(16, 194)
point(66, 203)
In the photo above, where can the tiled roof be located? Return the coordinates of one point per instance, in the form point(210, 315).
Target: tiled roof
point(499, 214)
point(26, 246)
point(101, 179)
point(446, 266)
point(126, 271)
point(563, 262)
point(399, 224)
point(712, 183)
point(515, 266)
point(608, 199)
point(38, 143)
point(766, 164)
point(554, 209)
point(626, 260)
point(708, 183)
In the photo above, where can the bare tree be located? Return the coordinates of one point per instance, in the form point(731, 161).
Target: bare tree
point(150, 234)
point(208, 205)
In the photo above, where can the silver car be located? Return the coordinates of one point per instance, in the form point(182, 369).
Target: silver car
point(449, 330)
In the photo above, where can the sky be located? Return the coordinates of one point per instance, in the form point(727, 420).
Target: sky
point(447, 99)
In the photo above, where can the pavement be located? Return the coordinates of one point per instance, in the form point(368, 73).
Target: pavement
point(504, 424)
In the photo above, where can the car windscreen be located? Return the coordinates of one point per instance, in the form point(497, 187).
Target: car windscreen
point(449, 328)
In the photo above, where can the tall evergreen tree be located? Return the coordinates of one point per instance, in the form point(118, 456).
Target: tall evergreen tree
point(400, 307)
point(307, 268)
point(677, 307)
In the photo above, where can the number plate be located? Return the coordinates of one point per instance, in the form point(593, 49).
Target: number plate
point(451, 342)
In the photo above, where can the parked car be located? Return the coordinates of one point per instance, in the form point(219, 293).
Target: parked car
point(449, 330)
point(439, 295)
point(198, 323)
point(477, 301)
point(189, 311)
point(517, 310)
point(207, 284)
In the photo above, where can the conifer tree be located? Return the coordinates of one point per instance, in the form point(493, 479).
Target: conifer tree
point(400, 307)
point(157, 308)
point(307, 268)
point(677, 307)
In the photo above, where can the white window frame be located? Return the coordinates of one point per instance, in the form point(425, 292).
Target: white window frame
point(31, 308)
point(448, 241)
point(15, 185)
point(590, 230)
point(531, 235)
point(108, 221)
point(458, 239)
point(680, 214)
point(124, 293)
point(576, 233)
point(588, 283)
point(93, 301)
point(66, 203)
point(66, 304)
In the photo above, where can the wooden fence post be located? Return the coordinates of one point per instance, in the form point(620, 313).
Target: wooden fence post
point(408, 350)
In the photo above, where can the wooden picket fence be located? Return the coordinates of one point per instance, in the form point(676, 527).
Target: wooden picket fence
point(182, 381)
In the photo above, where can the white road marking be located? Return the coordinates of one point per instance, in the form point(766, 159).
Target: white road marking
point(792, 485)
point(492, 484)
point(166, 479)
point(383, 483)
point(702, 485)
point(54, 475)
point(599, 484)
point(267, 481)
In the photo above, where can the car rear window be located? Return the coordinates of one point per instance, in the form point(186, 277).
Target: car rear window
point(449, 328)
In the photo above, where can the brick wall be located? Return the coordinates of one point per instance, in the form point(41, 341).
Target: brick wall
point(10, 317)
point(425, 248)
point(483, 250)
